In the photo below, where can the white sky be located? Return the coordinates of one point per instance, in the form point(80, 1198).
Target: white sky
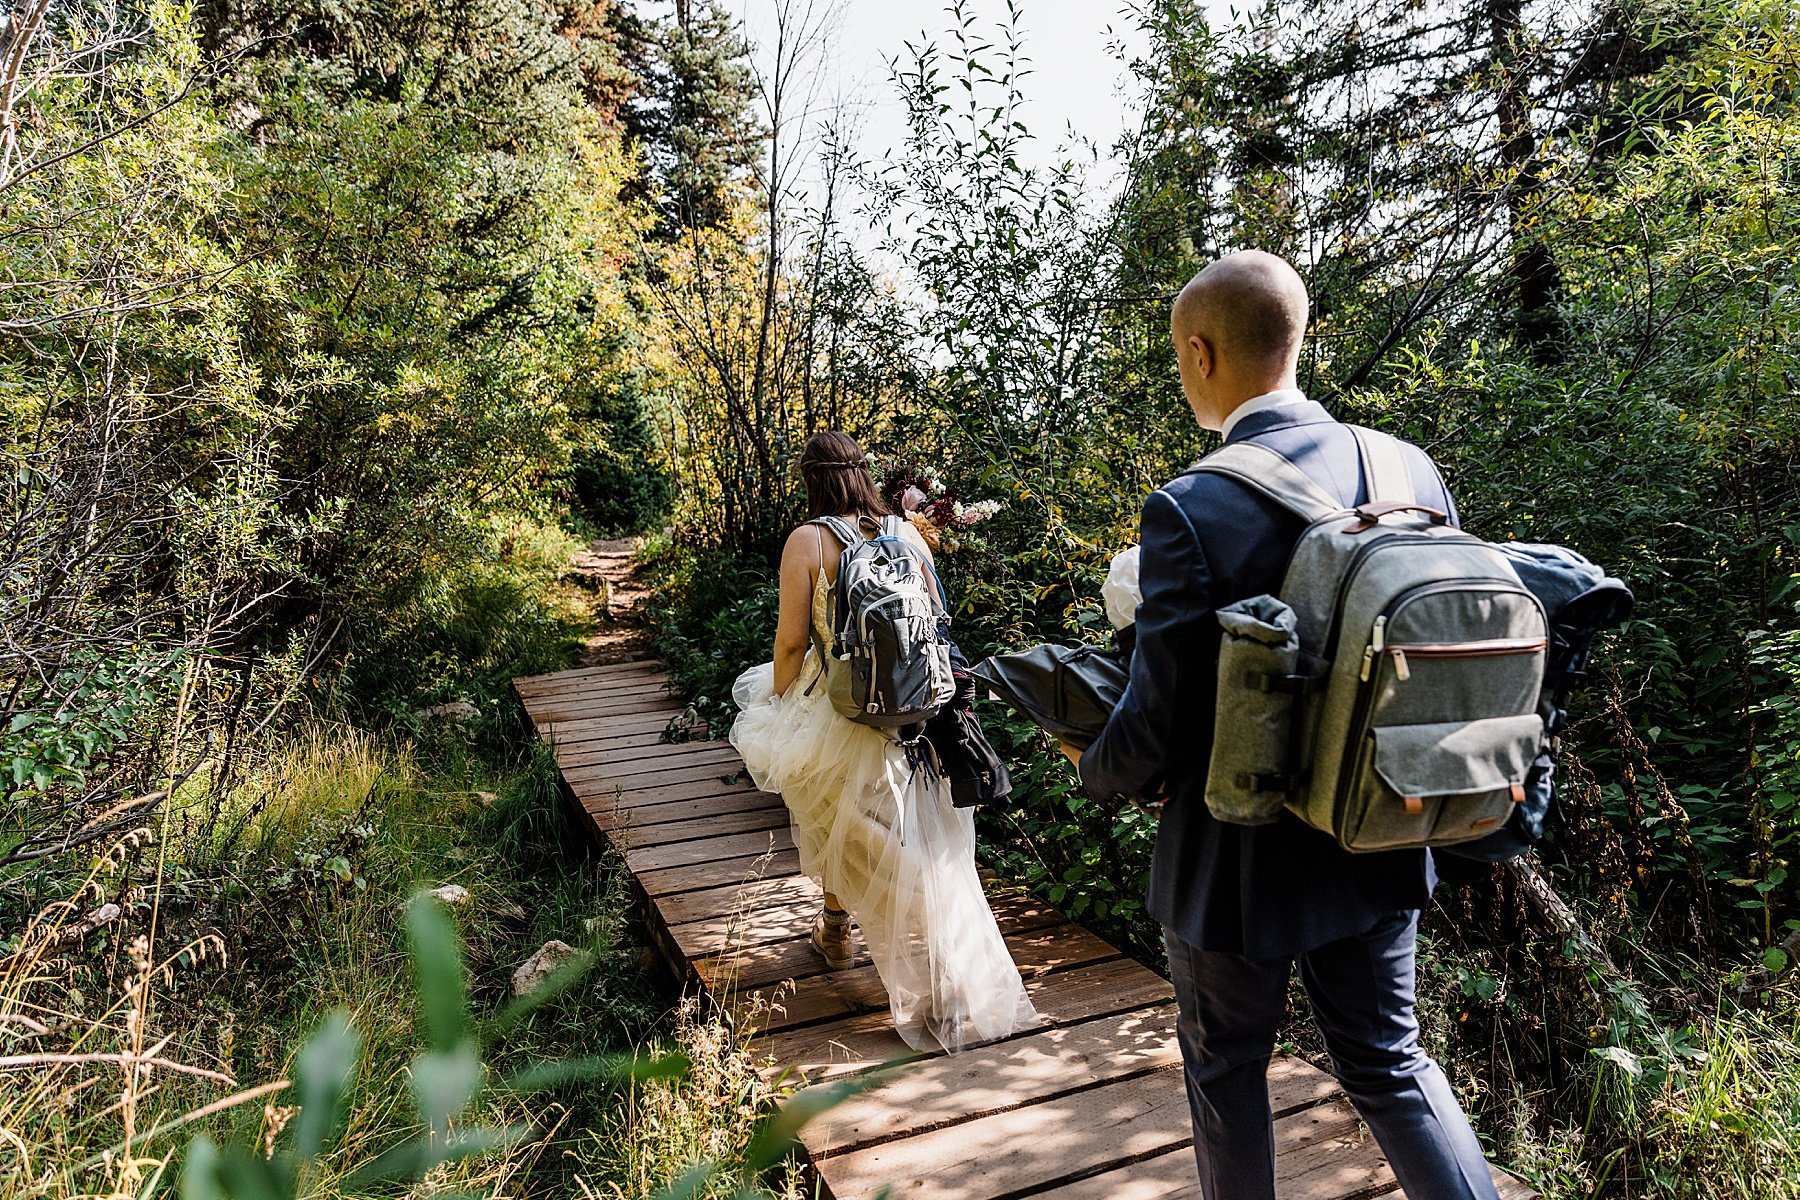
point(1079, 79)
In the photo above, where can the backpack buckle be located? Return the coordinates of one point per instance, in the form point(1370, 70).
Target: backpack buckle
point(1287, 685)
point(1284, 782)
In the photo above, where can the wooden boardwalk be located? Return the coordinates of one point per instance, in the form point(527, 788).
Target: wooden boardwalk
point(1088, 1106)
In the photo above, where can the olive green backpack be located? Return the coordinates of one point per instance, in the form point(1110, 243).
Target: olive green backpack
point(1389, 695)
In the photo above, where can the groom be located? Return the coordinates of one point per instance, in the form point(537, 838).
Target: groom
point(1240, 905)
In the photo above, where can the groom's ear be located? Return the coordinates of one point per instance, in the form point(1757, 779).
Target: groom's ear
point(1204, 358)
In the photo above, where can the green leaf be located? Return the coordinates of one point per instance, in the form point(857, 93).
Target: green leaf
point(1775, 959)
point(247, 1175)
point(199, 1171)
point(438, 966)
point(324, 1071)
point(443, 1084)
point(778, 1132)
point(1620, 1057)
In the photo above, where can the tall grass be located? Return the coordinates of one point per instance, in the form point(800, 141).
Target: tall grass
point(206, 1008)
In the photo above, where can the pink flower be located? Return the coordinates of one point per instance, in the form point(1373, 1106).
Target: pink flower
point(911, 499)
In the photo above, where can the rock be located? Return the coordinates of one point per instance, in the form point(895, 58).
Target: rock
point(540, 966)
point(451, 710)
point(450, 893)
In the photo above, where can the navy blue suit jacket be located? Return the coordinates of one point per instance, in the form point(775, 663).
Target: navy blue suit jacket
point(1263, 891)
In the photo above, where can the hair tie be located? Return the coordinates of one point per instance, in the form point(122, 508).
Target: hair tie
point(835, 466)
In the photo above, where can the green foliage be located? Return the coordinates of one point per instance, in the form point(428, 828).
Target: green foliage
point(714, 615)
point(1086, 858)
point(1557, 249)
point(618, 483)
point(446, 1076)
point(692, 112)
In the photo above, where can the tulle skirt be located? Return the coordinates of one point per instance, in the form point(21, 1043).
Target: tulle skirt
point(886, 841)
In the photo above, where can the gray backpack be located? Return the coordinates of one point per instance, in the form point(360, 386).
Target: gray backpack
point(1389, 695)
point(888, 666)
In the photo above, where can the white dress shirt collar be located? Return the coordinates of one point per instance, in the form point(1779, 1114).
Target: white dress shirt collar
point(1262, 403)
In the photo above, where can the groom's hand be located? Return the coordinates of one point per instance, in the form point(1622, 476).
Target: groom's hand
point(1072, 754)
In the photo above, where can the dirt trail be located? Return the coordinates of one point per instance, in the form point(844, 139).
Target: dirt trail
point(623, 632)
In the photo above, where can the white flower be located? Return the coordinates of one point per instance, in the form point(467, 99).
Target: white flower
point(981, 510)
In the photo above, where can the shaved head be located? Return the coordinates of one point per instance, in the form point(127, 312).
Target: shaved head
point(1249, 306)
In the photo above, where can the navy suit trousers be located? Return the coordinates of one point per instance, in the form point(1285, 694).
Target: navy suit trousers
point(1361, 989)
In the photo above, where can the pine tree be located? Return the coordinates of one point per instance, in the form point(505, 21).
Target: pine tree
point(1399, 151)
point(693, 116)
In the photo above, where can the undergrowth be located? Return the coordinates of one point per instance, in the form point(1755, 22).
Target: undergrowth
point(169, 996)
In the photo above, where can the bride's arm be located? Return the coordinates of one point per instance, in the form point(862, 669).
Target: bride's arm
point(800, 565)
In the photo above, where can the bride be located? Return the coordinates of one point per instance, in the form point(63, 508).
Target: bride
point(880, 836)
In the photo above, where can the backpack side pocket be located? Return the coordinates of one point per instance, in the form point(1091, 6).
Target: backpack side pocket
point(1251, 774)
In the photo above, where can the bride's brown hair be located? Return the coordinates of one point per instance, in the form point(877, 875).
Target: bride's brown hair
point(837, 478)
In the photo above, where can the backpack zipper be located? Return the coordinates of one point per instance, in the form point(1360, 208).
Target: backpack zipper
point(1358, 561)
point(1489, 649)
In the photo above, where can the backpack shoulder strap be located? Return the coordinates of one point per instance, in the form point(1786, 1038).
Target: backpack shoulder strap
point(1384, 466)
point(1268, 471)
point(841, 529)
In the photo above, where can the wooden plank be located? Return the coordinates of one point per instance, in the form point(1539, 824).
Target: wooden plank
point(765, 923)
point(602, 722)
point(615, 810)
point(1054, 1081)
point(1321, 1153)
point(588, 778)
point(723, 763)
point(717, 902)
point(594, 696)
point(861, 1042)
point(745, 967)
point(610, 799)
point(645, 729)
point(1022, 1149)
point(1126, 1137)
point(617, 675)
point(792, 918)
point(576, 676)
point(829, 995)
point(687, 854)
point(630, 706)
point(596, 754)
point(696, 876)
point(636, 835)
point(554, 693)
point(1512, 1187)
point(590, 708)
point(993, 1078)
point(1326, 1152)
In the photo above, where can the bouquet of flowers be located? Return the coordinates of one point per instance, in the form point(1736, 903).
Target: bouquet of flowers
point(937, 512)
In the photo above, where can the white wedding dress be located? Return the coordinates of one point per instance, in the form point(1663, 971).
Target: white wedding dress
point(886, 841)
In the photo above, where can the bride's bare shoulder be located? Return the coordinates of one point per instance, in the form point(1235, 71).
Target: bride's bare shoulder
point(803, 547)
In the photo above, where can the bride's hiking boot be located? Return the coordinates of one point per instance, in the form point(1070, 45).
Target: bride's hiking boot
point(831, 938)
